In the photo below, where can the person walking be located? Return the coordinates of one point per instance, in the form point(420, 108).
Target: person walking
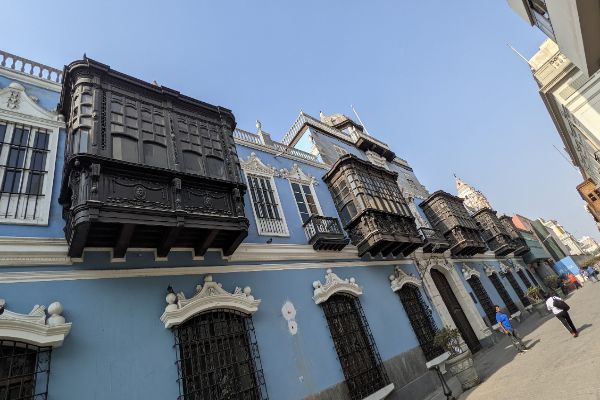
point(506, 327)
point(573, 280)
point(560, 309)
point(591, 274)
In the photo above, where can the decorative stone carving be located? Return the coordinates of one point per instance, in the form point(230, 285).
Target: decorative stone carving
point(334, 284)
point(209, 296)
point(400, 278)
point(14, 99)
point(468, 272)
point(296, 174)
point(35, 328)
point(253, 164)
point(489, 270)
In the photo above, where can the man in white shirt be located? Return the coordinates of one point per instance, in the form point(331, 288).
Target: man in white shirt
point(557, 305)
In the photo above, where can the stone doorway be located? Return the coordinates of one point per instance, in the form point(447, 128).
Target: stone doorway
point(456, 311)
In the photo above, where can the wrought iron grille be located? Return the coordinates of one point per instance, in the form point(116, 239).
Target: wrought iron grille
point(484, 298)
point(517, 288)
point(421, 320)
point(512, 308)
point(218, 358)
point(24, 371)
point(524, 278)
point(533, 280)
point(360, 360)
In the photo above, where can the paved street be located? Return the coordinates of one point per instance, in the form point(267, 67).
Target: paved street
point(558, 366)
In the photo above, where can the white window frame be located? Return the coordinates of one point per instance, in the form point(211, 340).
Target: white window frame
point(312, 191)
point(259, 227)
point(48, 182)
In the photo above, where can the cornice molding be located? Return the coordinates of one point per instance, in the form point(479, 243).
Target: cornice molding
point(19, 251)
point(400, 278)
point(35, 328)
point(209, 296)
point(254, 165)
point(28, 78)
point(334, 284)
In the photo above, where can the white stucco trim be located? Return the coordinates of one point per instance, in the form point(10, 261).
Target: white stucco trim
point(209, 296)
point(31, 79)
point(400, 278)
point(468, 272)
point(381, 393)
point(35, 328)
point(334, 284)
point(18, 251)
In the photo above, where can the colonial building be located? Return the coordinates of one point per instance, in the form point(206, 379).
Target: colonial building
point(589, 245)
point(154, 250)
point(566, 238)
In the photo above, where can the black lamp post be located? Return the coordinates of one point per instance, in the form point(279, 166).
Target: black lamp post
point(445, 387)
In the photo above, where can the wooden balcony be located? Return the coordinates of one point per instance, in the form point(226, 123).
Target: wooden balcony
point(447, 215)
point(519, 242)
point(493, 232)
point(325, 233)
point(433, 242)
point(146, 167)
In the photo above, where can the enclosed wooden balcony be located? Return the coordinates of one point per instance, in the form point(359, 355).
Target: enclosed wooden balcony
point(493, 232)
point(372, 208)
point(433, 242)
point(146, 167)
point(519, 242)
point(449, 217)
point(325, 233)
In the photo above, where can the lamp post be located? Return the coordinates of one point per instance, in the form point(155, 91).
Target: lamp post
point(434, 365)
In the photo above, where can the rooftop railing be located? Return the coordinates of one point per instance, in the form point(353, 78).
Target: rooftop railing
point(280, 148)
point(29, 67)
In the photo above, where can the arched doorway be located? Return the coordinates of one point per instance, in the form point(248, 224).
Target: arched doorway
point(455, 310)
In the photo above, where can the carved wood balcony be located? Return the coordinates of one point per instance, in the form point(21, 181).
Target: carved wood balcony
point(325, 233)
point(146, 167)
point(519, 243)
point(493, 232)
point(372, 208)
point(433, 241)
point(447, 215)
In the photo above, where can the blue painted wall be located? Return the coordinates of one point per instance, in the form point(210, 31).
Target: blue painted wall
point(566, 265)
point(117, 337)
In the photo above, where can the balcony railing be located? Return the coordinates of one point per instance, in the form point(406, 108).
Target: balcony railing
point(35, 69)
point(433, 241)
point(280, 148)
point(325, 233)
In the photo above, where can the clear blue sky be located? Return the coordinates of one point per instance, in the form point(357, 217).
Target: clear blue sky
point(434, 79)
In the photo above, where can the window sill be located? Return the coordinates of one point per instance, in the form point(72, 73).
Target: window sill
point(381, 393)
point(18, 221)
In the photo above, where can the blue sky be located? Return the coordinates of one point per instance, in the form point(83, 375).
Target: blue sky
point(434, 79)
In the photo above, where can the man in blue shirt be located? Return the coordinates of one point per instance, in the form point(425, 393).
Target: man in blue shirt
point(506, 327)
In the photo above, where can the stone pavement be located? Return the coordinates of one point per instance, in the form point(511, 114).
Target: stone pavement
point(556, 367)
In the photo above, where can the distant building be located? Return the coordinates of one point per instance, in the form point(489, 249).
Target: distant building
point(589, 245)
point(572, 245)
point(474, 200)
point(573, 24)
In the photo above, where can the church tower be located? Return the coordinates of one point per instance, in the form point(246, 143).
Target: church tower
point(474, 200)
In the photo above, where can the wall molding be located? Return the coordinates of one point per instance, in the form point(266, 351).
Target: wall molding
point(400, 278)
point(334, 284)
point(18, 251)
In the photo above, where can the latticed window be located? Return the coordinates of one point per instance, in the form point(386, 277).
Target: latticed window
point(533, 281)
point(362, 366)
point(524, 278)
point(305, 200)
point(517, 288)
point(24, 173)
point(512, 308)
point(421, 320)
point(265, 202)
point(218, 358)
point(484, 299)
point(24, 371)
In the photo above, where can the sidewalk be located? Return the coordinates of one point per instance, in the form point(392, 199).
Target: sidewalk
point(558, 366)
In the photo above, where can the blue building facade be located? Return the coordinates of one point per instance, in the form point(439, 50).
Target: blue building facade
point(311, 304)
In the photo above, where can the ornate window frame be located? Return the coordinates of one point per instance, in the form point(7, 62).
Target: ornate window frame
point(296, 175)
point(334, 284)
point(19, 108)
point(253, 165)
point(400, 278)
point(36, 327)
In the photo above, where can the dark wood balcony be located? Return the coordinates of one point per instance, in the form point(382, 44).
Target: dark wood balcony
point(372, 208)
point(493, 232)
point(433, 242)
point(146, 167)
point(447, 215)
point(325, 233)
point(519, 243)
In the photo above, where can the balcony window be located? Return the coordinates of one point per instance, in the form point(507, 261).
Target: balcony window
point(305, 200)
point(125, 148)
point(266, 206)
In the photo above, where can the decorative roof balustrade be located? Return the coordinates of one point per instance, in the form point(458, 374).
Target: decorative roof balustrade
point(448, 216)
point(493, 232)
point(246, 138)
point(29, 67)
point(147, 167)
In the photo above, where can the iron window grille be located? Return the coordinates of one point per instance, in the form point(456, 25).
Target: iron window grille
point(421, 320)
point(512, 308)
point(524, 278)
point(359, 358)
point(484, 298)
point(24, 371)
point(23, 169)
point(517, 288)
point(265, 201)
point(218, 358)
point(533, 280)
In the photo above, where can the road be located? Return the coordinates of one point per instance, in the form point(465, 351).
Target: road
point(557, 366)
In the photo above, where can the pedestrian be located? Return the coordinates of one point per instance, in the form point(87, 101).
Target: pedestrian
point(574, 280)
point(591, 274)
point(560, 309)
point(506, 327)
